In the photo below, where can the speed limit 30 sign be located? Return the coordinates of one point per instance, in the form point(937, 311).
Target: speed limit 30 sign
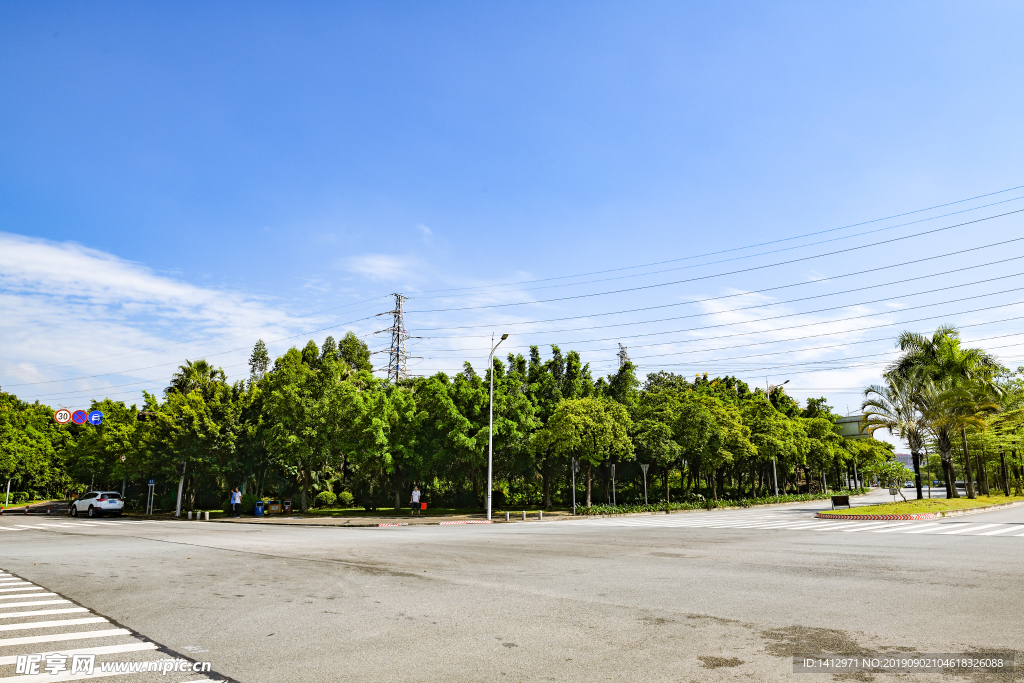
point(62, 416)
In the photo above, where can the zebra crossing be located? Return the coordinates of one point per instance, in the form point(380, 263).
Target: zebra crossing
point(65, 524)
point(780, 521)
point(33, 621)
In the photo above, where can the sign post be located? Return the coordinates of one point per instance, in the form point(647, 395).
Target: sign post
point(149, 497)
point(644, 467)
point(575, 466)
point(613, 484)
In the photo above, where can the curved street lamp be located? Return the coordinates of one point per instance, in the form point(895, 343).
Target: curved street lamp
point(775, 477)
point(490, 425)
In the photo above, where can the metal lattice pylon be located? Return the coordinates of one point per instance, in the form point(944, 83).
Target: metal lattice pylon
point(623, 356)
point(398, 352)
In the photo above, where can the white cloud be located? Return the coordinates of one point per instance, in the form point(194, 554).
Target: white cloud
point(426, 232)
point(385, 267)
point(69, 311)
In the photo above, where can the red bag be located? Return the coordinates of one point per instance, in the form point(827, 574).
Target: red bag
point(423, 506)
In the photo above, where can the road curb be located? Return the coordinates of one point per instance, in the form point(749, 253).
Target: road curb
point(917, 516)
point(730, 507)
point(921, 515)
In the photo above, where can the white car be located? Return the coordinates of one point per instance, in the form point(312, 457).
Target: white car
point(96, 503)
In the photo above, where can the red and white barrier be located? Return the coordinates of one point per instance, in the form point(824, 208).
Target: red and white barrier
point(872, 518)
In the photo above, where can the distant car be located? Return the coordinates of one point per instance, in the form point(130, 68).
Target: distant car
point(97, 503)
point(909, 485)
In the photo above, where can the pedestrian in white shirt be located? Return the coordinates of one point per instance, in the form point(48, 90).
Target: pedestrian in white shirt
point(414, 501)
point(236, 503)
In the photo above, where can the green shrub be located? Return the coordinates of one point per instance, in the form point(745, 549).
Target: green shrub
point(346, 499)
point(325, 499)
point(695, 503)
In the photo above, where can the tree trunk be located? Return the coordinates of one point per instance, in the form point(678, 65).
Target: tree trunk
point(950, 473)
point(546, 479)
point(1006, 476)
point(967, 466)
point(667, 500)
point(397, 482)
point(917, 473)
point(590, 479)
point(305, 489)
point(983, 467)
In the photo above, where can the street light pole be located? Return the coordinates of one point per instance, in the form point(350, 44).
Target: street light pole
point(490, 426)
point(768, 395)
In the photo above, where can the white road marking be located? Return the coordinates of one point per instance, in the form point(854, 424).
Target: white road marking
point(28, 640)
point(59, 678)
point(53, 624)
point(927, 528)
point(26, 587)
point(1000, 531)
point(24, 594)
point(890, 529)
point(30, 604)
point(105, 650)
point(41, 612)
point(867, 527)
point(969, 527)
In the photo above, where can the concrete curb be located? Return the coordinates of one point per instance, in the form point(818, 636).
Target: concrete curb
point(920, 515)
point(731, 507)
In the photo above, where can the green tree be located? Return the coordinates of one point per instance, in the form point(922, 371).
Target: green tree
point(593, 430)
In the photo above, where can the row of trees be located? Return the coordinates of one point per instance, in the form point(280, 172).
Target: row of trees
point(943, 397)
point(317, 420)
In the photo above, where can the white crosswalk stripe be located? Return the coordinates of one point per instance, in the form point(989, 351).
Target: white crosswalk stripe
point(29, 625)
point(802, 522)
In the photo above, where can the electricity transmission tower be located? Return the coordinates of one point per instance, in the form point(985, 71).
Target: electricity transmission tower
point(398, 353)
point(623, 356)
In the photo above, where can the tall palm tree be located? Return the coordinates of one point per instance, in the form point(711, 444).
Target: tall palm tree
point(968, 404)
point(959, 372)
point(894, 407)
point(194, 375)
point(930, 403)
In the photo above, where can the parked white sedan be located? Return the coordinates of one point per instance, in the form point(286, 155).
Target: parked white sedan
point(96, 503)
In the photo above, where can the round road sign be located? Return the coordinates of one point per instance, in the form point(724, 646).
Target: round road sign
point(79, 417)
point(95, 417)
point(62, 416)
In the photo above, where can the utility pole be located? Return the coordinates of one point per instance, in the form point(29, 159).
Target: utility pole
point(490, 426)
point(768, 395)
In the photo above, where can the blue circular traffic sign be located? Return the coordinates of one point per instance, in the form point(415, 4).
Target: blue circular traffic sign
point(79, 417)
point(95, 417)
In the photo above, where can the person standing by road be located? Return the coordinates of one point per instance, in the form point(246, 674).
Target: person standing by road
point(236, 503)
point(414, 501)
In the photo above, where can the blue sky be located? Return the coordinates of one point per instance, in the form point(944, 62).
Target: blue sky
point(178, 179)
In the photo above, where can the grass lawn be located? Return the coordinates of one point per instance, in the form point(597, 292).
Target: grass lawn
point(930, 505)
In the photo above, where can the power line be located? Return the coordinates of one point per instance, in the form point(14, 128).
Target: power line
point(790, 315)
point(723, 274)
point(776, 303)
point(754, 246)
point(761, 291)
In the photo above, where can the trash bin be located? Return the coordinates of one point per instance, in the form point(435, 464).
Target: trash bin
point(275, 507)
point(259, 509)
point(286, 507)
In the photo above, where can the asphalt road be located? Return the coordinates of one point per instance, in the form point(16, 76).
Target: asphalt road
point(717, 598)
